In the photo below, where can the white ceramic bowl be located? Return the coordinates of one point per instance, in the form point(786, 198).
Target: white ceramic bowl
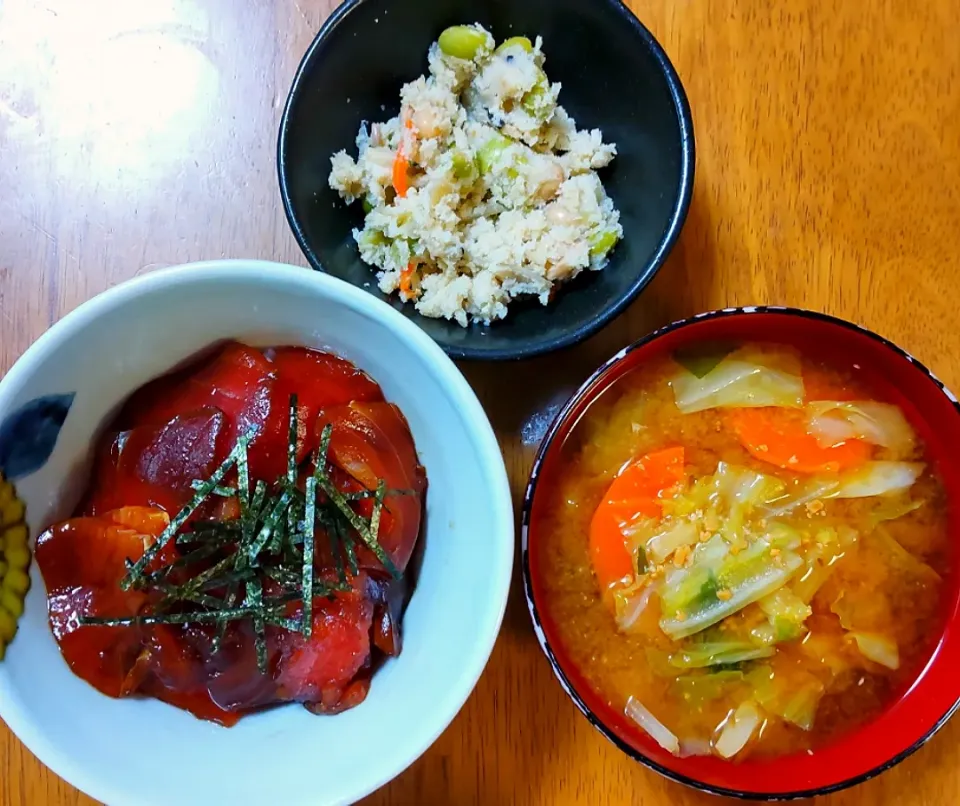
point(140, 751)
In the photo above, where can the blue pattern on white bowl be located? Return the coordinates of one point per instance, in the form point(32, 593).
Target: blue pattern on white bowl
point(29, 435)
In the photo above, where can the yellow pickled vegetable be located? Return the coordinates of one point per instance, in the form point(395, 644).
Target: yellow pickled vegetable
point(11, 512)
point(8, 626)
point(17, 581)
point(11, 602)
point(14, 562)
point(18, 557)
point(15, 536)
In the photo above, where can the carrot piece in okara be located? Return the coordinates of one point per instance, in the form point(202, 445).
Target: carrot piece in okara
point(781, 437)
point(636, 492)
point(406, 281)
point(401, 165)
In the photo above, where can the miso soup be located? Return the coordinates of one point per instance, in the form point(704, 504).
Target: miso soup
point(743, 551)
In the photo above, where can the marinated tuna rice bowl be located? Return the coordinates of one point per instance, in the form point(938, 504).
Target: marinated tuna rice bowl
point(481, 190)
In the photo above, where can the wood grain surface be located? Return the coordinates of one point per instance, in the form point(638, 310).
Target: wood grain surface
point(136, 135)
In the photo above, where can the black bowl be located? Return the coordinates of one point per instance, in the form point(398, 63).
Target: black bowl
point(615, 77)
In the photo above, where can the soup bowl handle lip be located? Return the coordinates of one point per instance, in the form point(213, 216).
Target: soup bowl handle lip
point(557, 429)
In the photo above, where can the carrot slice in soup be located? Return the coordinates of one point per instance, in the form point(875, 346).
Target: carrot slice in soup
point(781, 437)
point(636, 492)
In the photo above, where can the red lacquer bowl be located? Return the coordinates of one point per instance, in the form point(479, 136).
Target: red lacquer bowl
point(923, 707)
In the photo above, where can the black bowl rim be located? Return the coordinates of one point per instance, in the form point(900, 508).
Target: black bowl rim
point(527, 506)
point(667, 241)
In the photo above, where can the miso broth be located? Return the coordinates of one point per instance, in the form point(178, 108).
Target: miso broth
point(742, 551)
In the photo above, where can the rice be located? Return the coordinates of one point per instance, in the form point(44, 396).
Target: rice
point(481, 190)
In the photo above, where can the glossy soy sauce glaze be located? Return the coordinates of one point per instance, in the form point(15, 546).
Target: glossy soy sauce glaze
point(176, 431)
point(882, 581)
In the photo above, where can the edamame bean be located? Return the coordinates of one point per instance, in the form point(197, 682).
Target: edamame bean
point(516, 41)
point(531, 101)
point(374, 239)
point(462, 41)
point(602, 242)
point(534, 100)
point(490, 151)
point(464, 168)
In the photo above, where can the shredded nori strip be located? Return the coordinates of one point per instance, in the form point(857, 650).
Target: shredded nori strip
point(292, 438)
point(223, 492)
point(282, 575)
point(206, 550)
point(321, 462)
point(244, 574)
point(270, 523)
point(256, 504)
point(174, 597)
point(389, 492)
point(361, 528)
point(210, 532)
point(377, 508)
point(147, 620)
point(309, 522)
point(348, 547)
point(243, 484)
point(229, 602)
point(273, 539)
point(133, 576)
point(255, 600)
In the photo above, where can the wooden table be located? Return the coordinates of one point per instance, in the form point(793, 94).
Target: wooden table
point(135, 135)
